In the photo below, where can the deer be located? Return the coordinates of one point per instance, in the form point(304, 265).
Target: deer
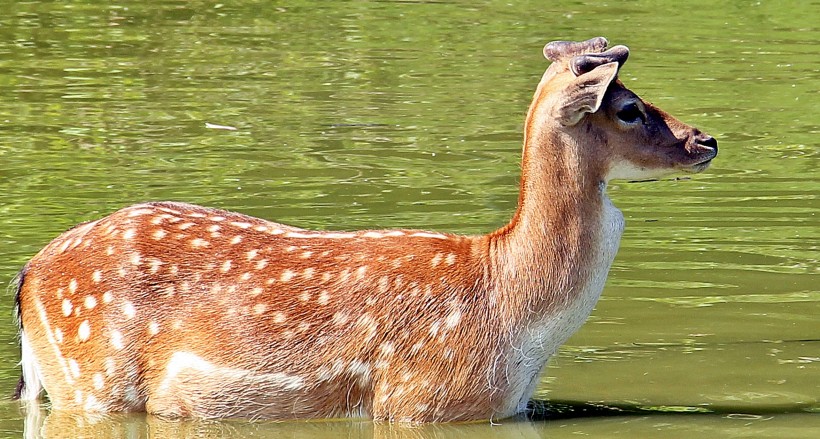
point(185, 311)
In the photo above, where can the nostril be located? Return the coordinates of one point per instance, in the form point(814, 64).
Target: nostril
point(707, 140)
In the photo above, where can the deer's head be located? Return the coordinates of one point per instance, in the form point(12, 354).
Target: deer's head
point(625, 137)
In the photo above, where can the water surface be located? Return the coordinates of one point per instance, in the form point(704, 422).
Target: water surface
point(371, 114)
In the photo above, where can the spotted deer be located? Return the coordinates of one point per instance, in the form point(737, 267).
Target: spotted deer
point(187, 311)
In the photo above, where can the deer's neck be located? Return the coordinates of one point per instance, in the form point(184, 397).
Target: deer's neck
point(559, 245)
point(549, 264)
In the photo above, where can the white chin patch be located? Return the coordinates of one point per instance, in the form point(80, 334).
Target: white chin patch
point(625, 170)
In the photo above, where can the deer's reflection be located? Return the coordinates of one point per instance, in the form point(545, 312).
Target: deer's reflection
point(42, 423)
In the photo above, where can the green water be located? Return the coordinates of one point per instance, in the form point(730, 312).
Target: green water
point(408, 114)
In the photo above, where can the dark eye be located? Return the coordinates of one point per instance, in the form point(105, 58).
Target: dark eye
point(631, 113)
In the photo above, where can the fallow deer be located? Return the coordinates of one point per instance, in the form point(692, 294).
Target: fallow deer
point(186, 311)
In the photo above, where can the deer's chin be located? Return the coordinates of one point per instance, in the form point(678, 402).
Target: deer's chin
point(697, 167)
point(628, 171)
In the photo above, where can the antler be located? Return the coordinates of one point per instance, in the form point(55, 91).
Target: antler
point(558, 50)
point(585, 63)
point(585, 55)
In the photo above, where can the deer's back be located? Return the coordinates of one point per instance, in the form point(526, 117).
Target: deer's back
point(170, 300)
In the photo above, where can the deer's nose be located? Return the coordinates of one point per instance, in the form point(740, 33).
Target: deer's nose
point(707, 140)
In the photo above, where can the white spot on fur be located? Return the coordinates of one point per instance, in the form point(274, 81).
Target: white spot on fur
point(324, 298)
point(136, 258)
point(226, 266)
point(451, 259)
point(107, 297)
point(159, 234)
point(129, 234)
point(155, 264)
point(360, 272)
point(279, 317)
point(340, 318)
point(84, 331)
point(436, 260)
point(241, 224)
point(129, 310)
point(236, 239)
point(252, 254)
point(72, 286)
point(287, 275)
point(93, 405)
point(186, 226)
point(259, 308)
point(384, 284)
point(153, 329)
point(139, 212)
point(452, 320)
point(74, 368)
point(434, 328)
point(116, 340)
point(58, 335)
point(96, 276)
point(429, 235)
point(90, 302)
point(67, 307)
point(262, 263)
point(199, 243)
point(99, 381)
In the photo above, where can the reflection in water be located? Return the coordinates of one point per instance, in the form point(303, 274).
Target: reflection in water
point(39, 423)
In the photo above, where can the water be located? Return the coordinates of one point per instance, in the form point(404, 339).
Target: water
point(408, 114)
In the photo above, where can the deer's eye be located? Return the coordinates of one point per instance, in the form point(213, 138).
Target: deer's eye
point(631, 113)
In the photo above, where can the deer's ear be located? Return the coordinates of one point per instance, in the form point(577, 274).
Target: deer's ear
point(585, 94)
